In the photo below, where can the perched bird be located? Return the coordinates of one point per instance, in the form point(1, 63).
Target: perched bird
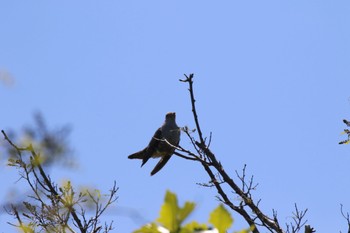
point(162, 144)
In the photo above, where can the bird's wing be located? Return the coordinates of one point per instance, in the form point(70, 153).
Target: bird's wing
point(152, 146)
point(160, 164)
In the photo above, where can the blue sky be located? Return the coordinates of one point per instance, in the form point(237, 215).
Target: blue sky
point(272, 84)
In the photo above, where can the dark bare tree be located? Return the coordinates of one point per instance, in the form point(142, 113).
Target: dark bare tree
point(225, 183)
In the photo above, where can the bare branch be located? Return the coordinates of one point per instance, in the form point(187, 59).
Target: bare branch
point(51, 207)
point(189, 79)
point(346, 216)
point(298, 220)
point(247, 186)
point(184, 156)
point(258, 218)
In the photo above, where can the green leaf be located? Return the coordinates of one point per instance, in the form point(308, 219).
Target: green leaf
point(221, 219)
point(186, 211)
point(27, 228)
point(168, 212)
point(193, 226)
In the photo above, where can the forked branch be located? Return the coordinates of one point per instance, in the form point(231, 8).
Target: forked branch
point(247, 208)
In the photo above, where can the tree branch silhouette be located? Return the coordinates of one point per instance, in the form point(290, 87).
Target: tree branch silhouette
point(247, 208)
point(51, 208)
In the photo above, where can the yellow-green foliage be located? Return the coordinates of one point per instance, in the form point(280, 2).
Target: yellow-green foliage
point(221, 219)
point(172, 217)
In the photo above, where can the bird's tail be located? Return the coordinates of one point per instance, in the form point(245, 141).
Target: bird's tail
point(143, 154)
point(137, 155)
point(160, 164)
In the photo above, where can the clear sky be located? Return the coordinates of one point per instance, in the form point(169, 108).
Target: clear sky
point(272, 81)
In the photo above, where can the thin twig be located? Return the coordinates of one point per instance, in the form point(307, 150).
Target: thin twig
point(45, 178)
point(346, 216)
point(189, 79)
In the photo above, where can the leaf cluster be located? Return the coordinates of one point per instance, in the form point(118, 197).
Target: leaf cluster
point(53, 208)
point(172, 217)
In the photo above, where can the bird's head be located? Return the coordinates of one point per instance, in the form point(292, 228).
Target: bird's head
point(170, 116)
